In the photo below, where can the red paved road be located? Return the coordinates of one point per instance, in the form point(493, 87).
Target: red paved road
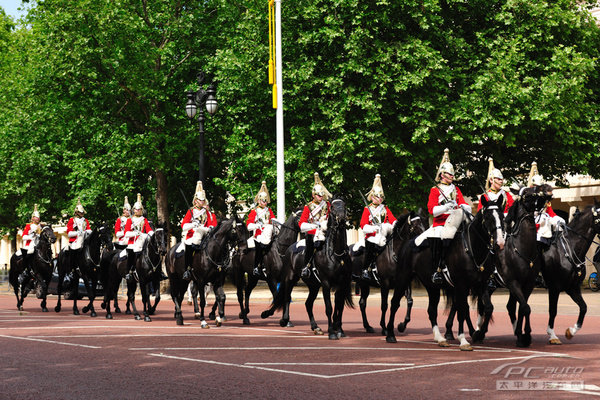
point(60, 356)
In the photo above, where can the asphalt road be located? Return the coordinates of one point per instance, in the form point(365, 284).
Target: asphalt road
point(60, 356)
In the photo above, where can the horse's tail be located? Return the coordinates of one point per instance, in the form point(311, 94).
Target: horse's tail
point(345, 287)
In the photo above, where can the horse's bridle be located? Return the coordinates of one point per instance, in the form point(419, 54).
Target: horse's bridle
point(227, 258)
point(336, 222)
point(157, 249)
point(48, 240)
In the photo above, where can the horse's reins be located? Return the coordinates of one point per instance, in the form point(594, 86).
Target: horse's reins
point(467, 242)
point(515, 231)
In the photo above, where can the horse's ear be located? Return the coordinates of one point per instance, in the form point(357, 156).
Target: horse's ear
point(484, 201)
point(515, 191)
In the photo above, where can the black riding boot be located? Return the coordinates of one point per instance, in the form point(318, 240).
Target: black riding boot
point(130, 265)
point(258, 255)
point(26, 268)
point(308, 255)
point(68, 280)
point(189, 256)
point(437, 249)
point(369, 258)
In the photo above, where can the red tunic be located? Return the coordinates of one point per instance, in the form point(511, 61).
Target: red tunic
point(120, 226)
point(509, 200)
point(367, 220)
point(306, 216)
point(71, 225)
point(26, 232)
point(434, 200)
point(145, 229)
point(252, 219)
point(211, 220)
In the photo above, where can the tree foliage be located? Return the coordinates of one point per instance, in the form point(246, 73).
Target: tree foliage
point(93, 94)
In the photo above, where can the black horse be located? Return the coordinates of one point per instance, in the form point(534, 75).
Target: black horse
point(470, 261)
point(563, 265)
point(333, 270)
point(41, 266)
point(519, 263)
point(407, 226)
point(148, 268)
point(242, 261)
point(85, 266)
point(208, 265)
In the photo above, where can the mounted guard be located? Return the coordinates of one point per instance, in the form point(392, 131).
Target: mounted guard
point(120, 224)
point(30, 237)
point(493, 187)
point(313, 222)
point(198, 221)
point(259, 222)
point(77, 227)
point(546, 220)
point(377, 222)
point(448, 207)
point(137, 231)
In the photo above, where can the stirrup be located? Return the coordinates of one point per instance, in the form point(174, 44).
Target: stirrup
point(186, 275)
point(129, 277)
point(365, 275)
point(305, 272)
point(437, 278)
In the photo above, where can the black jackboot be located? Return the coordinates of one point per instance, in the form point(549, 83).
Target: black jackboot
point(130, 265)
point(308, 255)
point(189, 256)
point(259, 252)
point(437, 249)
point(369, 258)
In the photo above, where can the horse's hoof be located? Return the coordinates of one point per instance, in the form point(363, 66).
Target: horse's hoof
point(103, 306)
point(128, 312)
point(85, 309)
point(56, 309)
point(246, 321)
point(384, 332)
point(443, 343)
point(555, 340)
point(265, 314)
point(219, 321)
point(93, 314)
point(341, 334)
point(318, 331)
point(76, 312)
point(118, 310)
point(189, 303)
point(449, 336)
point(391, 339)
point(109, 316)
point(333, 336)
point(289, 325)
point(179, 321)
point(147, 319)
point(401, 327)
point(370, 329)
point(197, 316)
point(204, 325)
point(44, 309)
point(466, 347)
point(282, 323)
point(20, 308)
point(477, 336)
point(241, 315)
point(138, 318)
point(568, 334)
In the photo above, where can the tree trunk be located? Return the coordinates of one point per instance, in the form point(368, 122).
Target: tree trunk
point(162, 203)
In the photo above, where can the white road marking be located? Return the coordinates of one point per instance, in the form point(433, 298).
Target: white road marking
point(50, 341)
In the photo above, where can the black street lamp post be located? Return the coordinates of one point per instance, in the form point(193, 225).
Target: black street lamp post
point(195, 105)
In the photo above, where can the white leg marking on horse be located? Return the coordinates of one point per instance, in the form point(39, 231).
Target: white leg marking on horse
point(553, 338)
point(480, 320)
point(464, 344)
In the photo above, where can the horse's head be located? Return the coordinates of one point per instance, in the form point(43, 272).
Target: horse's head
point(47, 234)
point(337, 212)
point(161, 240)
point(105, 235)
point(492, 213)
point(527, 197)
point(418, 223)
